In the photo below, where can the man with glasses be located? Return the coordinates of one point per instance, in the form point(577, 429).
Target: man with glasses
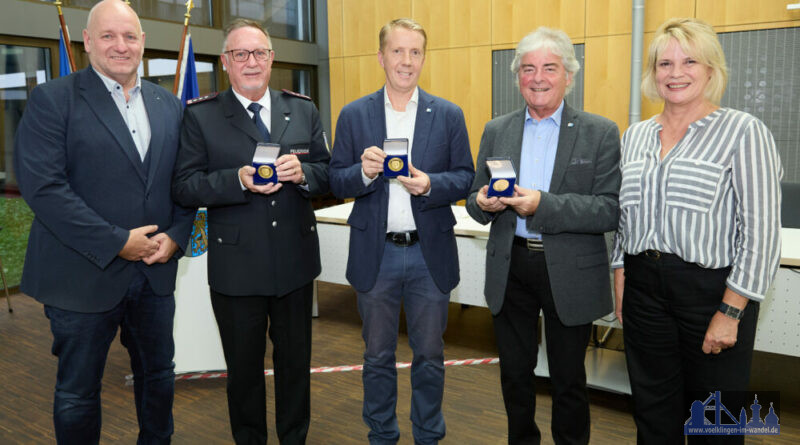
point(263, 252)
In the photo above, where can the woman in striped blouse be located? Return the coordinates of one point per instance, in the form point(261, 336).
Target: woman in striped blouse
point(699, 235)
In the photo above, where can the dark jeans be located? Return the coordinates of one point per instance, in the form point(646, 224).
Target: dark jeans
point(528, 292)
point(243, 322)
point(404, 280)
point(666, 308)
point(81, 342)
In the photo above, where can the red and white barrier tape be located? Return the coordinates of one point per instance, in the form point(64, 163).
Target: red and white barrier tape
point(343, 368)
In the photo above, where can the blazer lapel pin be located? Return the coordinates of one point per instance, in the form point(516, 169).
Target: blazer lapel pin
point(570, 124)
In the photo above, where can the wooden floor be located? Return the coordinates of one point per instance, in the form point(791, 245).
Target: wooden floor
point(473, 406)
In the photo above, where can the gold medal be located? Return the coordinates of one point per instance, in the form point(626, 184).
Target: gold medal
point(265, 171)
point(396, 164)
point(500, 185)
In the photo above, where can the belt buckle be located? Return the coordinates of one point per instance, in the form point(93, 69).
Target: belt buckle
point(402, 239)
point(654, 254)
point(534, 245)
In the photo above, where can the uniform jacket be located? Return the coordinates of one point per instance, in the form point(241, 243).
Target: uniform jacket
point(79, 171)
point(440, 149)
point(257, 244)
point(581, 205)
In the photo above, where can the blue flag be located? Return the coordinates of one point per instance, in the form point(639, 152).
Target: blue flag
point(63, 59)
point(187, 89)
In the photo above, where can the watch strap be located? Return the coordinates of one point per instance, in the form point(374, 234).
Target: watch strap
point(731, 311)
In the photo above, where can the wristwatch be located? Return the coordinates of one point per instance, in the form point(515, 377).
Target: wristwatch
point(731, 311)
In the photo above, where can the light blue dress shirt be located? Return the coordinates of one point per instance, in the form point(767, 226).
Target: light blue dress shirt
point(539, 146)
point(132, 110)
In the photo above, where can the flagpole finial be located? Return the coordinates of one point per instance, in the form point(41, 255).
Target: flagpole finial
point(188, 15)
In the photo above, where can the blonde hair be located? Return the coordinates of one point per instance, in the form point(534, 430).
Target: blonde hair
point(696, 38)
point(409, 24)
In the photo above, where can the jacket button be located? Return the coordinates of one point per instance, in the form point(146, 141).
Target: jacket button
point(274, 223)
point(273, 203)
point(313, 229)
point(219, 240)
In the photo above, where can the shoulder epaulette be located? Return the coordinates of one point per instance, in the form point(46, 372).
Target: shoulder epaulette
point(197, 100)
point(292, 93)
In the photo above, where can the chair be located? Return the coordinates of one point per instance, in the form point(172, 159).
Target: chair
point(5, 285)
point(790, 205)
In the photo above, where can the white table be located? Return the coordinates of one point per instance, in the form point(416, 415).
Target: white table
point(777, 327)
point(198, 347)
point(605, 368)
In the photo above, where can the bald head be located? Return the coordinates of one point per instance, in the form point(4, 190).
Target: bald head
point(117, 6)
point(114, 40)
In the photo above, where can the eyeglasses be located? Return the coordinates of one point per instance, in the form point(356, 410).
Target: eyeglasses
point(241, 55)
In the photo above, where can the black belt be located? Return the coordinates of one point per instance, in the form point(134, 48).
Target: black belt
point(658, 255)
point(531, 244)
point(403, 239)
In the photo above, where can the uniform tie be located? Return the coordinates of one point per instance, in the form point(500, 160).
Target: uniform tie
point(256, 108)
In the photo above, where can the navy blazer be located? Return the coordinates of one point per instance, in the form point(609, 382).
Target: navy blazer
point(79, 171)
point(440, 149)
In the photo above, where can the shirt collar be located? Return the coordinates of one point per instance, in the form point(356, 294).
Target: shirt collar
point(265, 100)
point(555, 117)
point(414, 97)
point(112, 84)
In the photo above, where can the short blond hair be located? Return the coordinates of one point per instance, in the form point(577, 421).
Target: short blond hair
point(698, 39)
point(409, 24)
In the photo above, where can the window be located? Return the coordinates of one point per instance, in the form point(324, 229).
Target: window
point(288, 19)
point(21, 69)
point(297, 78)
point(170, 10)
point(161, 71)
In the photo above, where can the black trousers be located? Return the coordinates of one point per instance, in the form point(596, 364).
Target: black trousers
point(528, 292)
point(666, 309)
point(243, 325)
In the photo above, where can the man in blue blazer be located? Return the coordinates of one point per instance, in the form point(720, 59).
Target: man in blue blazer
point(94, 155)
point(402, 244)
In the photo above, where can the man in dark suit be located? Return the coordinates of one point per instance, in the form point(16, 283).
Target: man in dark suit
point(546, 248)
point(94, 155)
point(402, 245)
point(263, 246)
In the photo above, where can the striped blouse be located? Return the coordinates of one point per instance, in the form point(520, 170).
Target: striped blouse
point(714, 199)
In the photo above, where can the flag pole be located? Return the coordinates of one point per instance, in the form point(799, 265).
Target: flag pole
point(65, 33)
point(187, 16)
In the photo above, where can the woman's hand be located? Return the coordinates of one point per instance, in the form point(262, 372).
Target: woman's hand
point(723, 330)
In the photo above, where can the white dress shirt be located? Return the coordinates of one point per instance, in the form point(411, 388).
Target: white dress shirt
point(399, 124)
point(266, 107)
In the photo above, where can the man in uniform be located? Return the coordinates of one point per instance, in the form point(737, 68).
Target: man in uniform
point(263, 246)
